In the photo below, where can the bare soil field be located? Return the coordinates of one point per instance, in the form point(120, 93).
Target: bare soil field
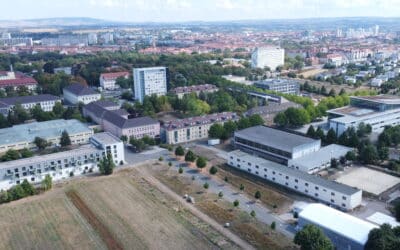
point(121, 211)
point(257, 234)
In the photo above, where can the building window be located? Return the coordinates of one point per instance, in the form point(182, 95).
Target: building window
point(316, 188)
point(287, 177)
point(344, 197)
point(316, 194)
point(295, 187)
point(306, 191)
point(306, 184)
point(295, 180)
point(332, 200)
point(343, 205)
point(249, 170)
point(249, 163)
point(332, 193)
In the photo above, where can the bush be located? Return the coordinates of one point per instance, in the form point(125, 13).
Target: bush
point(220, 194)
point(213, 170)
point(236, 203)
point(226, 179)
point(161, 158)
point(257, 195)
point(241, 187)
point(273, 225)
point(206, 185)
point(253, 213)
point(180, 170)
point(170, 164)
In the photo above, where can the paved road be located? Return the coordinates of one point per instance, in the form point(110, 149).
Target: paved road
point(231, 194)
point(231, 236)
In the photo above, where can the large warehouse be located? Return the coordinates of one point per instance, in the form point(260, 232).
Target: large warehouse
point(335, 194)
point(345, 231)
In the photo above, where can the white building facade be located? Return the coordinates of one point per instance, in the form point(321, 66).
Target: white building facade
point(271, 57)
point(149, 81)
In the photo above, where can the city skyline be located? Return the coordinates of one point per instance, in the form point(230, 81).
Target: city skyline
point(190, 10)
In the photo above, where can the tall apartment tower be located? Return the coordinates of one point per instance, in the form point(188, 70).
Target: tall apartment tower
point(149, 81)
point(271, 57)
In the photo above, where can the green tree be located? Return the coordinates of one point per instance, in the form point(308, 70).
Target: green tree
point(180, 170)
point(368, 154)
point(273, 225)
point(383, 238)
point(243, 123)
point(10, 155)
point(28, 188)
point(281, 120)
point(383, 153)
point(65, 140)
point(179, 151)
point(213, 170)
point(124, 138)
point(47, 182)
point(58, 109)
point(235, 203)
point(256, 120)
point(312, 238)
point(331, 136)
point(138, 144)
point(206, 185)
point(40, 143)
point(253, 213)
point(17, 192)
point(241, 187)
point(230, 127)
point(216, 131)
point(3, 122)
point(190, 156)
point(257, 195)
point(397, 210)
point(351, 156)
point(25, 153)
point(311, 131)
point(201, 162)
point(106, 165)
point(220, 194)
point(123, 82)
point(4, 196)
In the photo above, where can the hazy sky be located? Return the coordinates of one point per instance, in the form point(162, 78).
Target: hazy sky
point(204, 10)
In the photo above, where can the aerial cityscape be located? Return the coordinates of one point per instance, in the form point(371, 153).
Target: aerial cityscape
point(215, 124)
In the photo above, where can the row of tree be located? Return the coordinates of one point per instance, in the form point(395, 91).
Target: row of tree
point(223, 132)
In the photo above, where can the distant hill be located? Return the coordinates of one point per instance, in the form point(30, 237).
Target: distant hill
point(56, 22)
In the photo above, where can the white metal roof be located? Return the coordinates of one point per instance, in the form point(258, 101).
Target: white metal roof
point(380, 218)
point(341, 223)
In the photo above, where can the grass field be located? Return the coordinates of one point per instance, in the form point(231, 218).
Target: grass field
point(121, 211)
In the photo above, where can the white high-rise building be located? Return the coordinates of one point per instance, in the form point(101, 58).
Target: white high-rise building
point(149, 81)
point(376, 30)
point(271, 57)
point(92, 38)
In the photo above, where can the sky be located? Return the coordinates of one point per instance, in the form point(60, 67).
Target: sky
point(196, 10)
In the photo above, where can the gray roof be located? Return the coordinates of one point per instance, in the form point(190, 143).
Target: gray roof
point(122, 123)
point(47, 129)
point(11, 101)
point(120, 112)
point(273, 137)
point(79, 89)
point(104, 103)
point(342, 188)
point(105, 138)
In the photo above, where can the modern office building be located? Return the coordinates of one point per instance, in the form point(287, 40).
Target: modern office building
point(377, 111)
point(149, 81)
point(271, 57)
point(327, 191)
point(197, 89)
point(46, 102)
point(344, 230)
point(77, 93)
point(16, 80)
point(62, 165)
point(194, 128)
point(107, 80)
point(273, 144)
point(285, 86)
point(22, 136)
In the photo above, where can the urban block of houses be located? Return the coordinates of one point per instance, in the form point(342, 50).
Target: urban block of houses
point(22, 136)
point(116, 121)
point(197, 89)
point(377, 111)
point(16, 80)
point(327, 191)
point(45, 101)
point(344, 230)
point(293, 150)
point(78, 93)
point(62, 165)
point(194, 128)
point(107, 80)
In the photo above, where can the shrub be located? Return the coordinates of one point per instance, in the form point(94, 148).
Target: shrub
point(213, 170)
point(253, 213)
point(180, 170)
point(236, 203)
point(206, 185)
point(273, 225)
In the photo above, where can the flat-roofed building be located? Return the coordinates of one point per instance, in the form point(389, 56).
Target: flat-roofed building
point(45, 101)
point(22, 136)
point(274, 144)
point(193, 128)
point(344, 230)
point(197, 89)
point(285, 86)
point(378, 111)
point(327, 191)
point(78, 93)
point(62, 165)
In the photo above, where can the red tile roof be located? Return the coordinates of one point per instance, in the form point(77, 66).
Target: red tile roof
point(114, 75)
point(20, 80)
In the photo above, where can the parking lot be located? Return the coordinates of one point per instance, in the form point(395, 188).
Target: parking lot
point(368, 180)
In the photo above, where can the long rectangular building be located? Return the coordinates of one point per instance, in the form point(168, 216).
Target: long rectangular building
point(45, 101)
point(194, 128)
point(329, 192)
point(22, 136)
point(62, 165)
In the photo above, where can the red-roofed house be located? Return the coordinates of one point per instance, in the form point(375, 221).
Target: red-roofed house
point(107, 80)
point(16, 80)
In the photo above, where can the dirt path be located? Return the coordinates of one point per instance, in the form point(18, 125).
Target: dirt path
point(236, 239)
point(105, 234)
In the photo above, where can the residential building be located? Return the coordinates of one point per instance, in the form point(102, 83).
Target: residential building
point(16, 41)
point(45, 101)
point(135, 127)
point(271, 57)
point(377, 111)
point(344, 230)
point(22, 136)
point(327, 191)
point(107, 80)
point(194, 128)
point(62, 165)
point(16, 80)
point(197, 89)
point(273, 144)
point(149, 81)
point(285, 86)
point(95, 110)
point(334, 59)
point(77, 93)
point(92, 38)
